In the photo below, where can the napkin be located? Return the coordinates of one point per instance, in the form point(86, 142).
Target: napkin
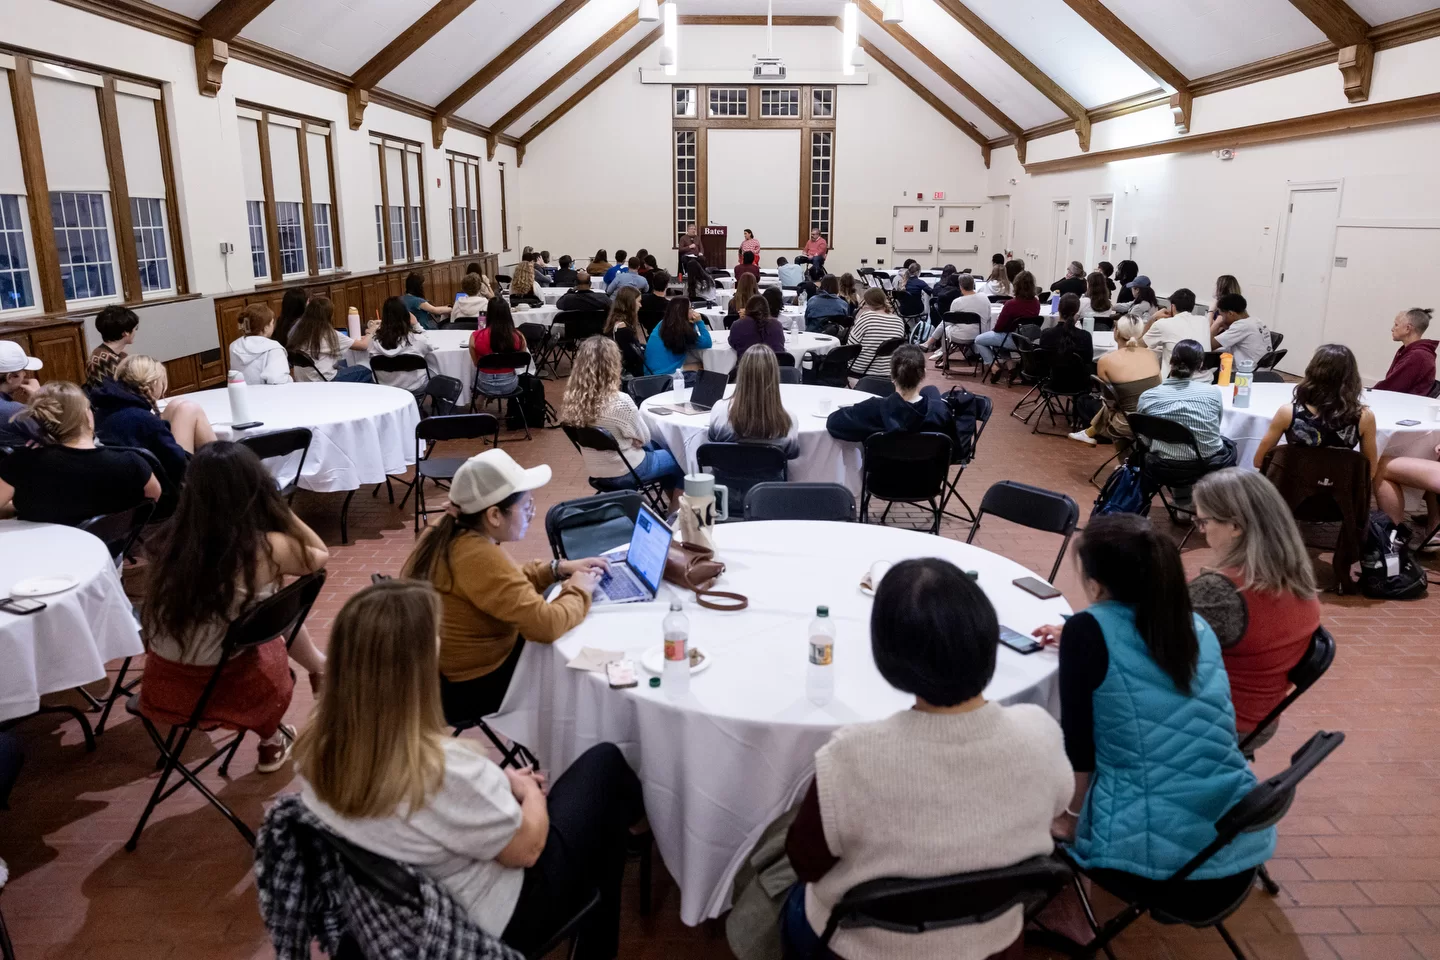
point(593, 660)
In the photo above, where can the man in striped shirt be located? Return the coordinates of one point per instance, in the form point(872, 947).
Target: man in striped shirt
point(1190, 403)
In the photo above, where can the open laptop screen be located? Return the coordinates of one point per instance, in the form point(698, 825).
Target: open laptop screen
point(649, 545)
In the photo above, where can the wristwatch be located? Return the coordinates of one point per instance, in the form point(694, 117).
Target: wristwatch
point(555, 569)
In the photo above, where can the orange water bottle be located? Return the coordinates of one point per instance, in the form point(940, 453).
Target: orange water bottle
point(1227, 364)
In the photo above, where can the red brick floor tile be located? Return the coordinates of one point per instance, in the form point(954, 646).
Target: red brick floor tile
point(1374, 947)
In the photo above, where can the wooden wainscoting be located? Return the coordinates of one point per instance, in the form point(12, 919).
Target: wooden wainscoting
point(59, 343)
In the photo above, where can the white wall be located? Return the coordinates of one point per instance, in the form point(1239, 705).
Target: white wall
point(601, 177)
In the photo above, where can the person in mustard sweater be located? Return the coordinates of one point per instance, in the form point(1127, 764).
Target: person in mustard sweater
point(489, 605)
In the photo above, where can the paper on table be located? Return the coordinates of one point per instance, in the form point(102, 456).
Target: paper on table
point(593, 659)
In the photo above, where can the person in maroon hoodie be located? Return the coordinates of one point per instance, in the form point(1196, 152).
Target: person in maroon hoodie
point(1413, 369)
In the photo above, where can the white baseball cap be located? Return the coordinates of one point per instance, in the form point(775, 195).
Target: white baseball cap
point(13, 359)
point(487, 478)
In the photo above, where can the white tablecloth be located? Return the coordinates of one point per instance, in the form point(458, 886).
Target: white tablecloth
point(791, 318)
point(722, 764)
point(362, 432)
point(452, 357)
point(721, 358)
point(1247, 425)
point(69, 642)
point(823, 459)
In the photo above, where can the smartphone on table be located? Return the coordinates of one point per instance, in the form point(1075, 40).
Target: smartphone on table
point(1018, 641)
point(1036, 587)
point(21, 605)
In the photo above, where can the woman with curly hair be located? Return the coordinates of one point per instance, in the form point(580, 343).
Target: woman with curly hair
point(593, 398)
point(1327, 410)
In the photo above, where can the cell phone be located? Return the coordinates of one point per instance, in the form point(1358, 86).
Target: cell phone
point(1407, 423)
point(1036, 587)
point(21, 605)
point(621, 674)
point(247, 426)
point(1018, 641)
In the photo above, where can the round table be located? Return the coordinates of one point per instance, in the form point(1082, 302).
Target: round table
point(823, 459)
point(1247, 425)
point(721, 358)
point(452, 357)
point(68, 643)
point(720, 765)
point(362, 432)
point(791, 317)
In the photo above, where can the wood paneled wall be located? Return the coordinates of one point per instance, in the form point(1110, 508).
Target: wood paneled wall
point(59, 343)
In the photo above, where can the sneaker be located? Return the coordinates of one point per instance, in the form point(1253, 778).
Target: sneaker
point(1083, 437)
point(274, 755)
point(938, 355)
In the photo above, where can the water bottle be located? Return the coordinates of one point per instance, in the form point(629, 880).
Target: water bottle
point(1244, 371)
point(677, 652)
point(820, 674)
point(239, 401)
point(677, 382)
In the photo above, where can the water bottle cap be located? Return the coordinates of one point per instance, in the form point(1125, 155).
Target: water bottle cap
point(654, 681)
point(675, 606)
point(822, 611)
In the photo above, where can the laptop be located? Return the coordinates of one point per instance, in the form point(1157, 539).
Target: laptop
point(637, 570)
point(709, 389)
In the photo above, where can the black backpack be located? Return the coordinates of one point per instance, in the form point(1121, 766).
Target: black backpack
point(1385, 551)
point(964, 414)
point(1124, 492)
point(538, 412)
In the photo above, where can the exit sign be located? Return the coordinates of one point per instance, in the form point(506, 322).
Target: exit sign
point(939, 195)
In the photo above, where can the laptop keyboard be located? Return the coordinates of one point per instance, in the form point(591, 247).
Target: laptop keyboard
point(620, 588)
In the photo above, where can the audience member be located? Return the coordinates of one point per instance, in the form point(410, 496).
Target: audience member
point(810, 286)
point(395, 338)
point(956, 784)
point(912, 408)
point(232, 541)
point(850, 292)
point(1107, 270)
point(653, 301)
point(998, 284)
point(489, 606)
point(700, 286)
point(1235, 332)
point(292, 308)
point(258, 357)
point(1013, 269)
point(1416, 473)
point(754, 413)
point(1130, 369)
point(791, 274)
point(746, 288)
point(315, 336)
point(1126, 273)
point(756, 327)
point(1225, 285)
point(677, 340)
point(624, 313)
point(425, 313)
point(648, 264)
point(1066, 338)
point(876, 324)
point(1413, 369)
point(522, 285)
point(911, 292)
point(816, 246)
point(1174, 323)
point(583, 297)
point(565, 276)
point(1095, 304)
point(622, 265)
point(389, 779)
point(631, 277)
point(747, 265)
point(1073, 281)
point(544, 268)
point(475, 295)
point(117, 326)
point(1259, 596)
point(599, 265)
point(969, 301)
point(127, 415)
point(17, 387)
point(1328, 409)
point(1024, 305)
point(1143, 303)
point(775, 301)
point(827, 306)
point(1193, 404)
point(593, 398)
point(499, 336)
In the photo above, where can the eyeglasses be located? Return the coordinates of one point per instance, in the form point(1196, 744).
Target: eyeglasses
point(1203, 522)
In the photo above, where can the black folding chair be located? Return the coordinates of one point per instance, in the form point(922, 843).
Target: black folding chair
point(118, 531)
point(882, 352)
point(600, 439)
point(880, 386)
point(502, 363)
point(469, 324)
point(579, 325)
point(1270, 361)
point(829, 369)
point(1318, 658)
point(905, 468)
point(1161, 474)
point(281, 614)
point(1061, 390)
point(433, 431)
point(381, 365)
point(790, 374)
point(739, 466)
point(1034, 369)
point(962, 455)
point(902, 905)
point(643, 388)
point(1110, 401)
point(1276, 339)
point(282, 443)
point(800, 501)
point(302, 360)
point(443, 393)
point(966, 348)
point(1169, 902)
point(589, 526)
point(1267, 376)
point(1031, 507)
point(539, 341)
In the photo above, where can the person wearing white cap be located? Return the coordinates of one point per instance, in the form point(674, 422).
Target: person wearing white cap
point(17, 386)
point(489, 606)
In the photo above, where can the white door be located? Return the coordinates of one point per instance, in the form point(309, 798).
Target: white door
point(997, 238)
point(960, 235)
point(912, 234)
point(1102, 241)
point(1305, 264)
point(1060, 255)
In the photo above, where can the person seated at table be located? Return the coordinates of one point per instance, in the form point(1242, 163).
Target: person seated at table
point(1073, 281)
point(292, 308)
point(811, 284)
point(231, 543)
point(968, 301)
point(117, 327)
point(1259, 595)
point(257, 355)
point(912, 408)
point(566, 275)
point(997, 284)
point(599, 265)
point(1149, 726)
point(1179, 321)
point(489, 605)
point(1130, 369)
point(850, 292)
point(544, 267)
point(909, 290)
point(677, 341)
point(956, 784)
point(395, 338)
point(127, 415)
point(392, 781)
point(582, 297)
point(876, 324)
point(1024, 305)
point(775, 300)
point(700, 286)
point(1195, 405)
point(499, 336)
point(629, 277)
point(17, 387)
point(1095, 304)
point(649, 264)
point(643, 256)
point(315, 336)
point(1328, 409)
point(827, 306)
point(624, 313)
point(1413, 369)
point(1107, 270)
point(1416, 473)
point(746, 265)
point(1067, 339)
point(747, 288)
point(522, 286)
point(475, 295)
point(1237, 333)
point(1125, 274)
point(653, 301)
point(754, 413)
point(756, 327)
point(537, 266)
point(621, 265)
point(1013, 269)
point(791, 274)
point(65, 477)
point(1225, 285)
point(427, 315)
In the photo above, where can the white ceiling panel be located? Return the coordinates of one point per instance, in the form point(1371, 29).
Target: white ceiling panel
point(927, 79)
point(783, 8)
point(195, 9)
point(457, 53)
point(339, 34)
point(1201, 37)
point(1383, 11)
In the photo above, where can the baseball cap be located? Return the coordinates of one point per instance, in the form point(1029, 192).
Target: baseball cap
point(1140, 281)
point(487, 478)
point(13, 359)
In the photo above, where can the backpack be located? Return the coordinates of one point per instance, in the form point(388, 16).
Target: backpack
point(963, 414)
point(538, 412)
point(1384, 551)
point(1123, 493)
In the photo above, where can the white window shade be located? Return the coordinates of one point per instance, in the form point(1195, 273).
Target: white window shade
point(394, 177)
point(285, 164)
point(250, 159)
point(12, 175)
point(412, 168)
point(140, 142)
point(70, 138)
point(315, 145)
point(375, 148)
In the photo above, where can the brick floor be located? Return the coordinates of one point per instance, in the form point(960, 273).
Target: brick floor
point(1358, 860)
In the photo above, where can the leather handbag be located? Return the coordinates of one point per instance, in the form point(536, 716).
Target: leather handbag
point(695, 568)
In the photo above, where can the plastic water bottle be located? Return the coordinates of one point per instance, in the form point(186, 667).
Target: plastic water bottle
point(820, 674)
point(677, 652)
point(677, 382)
point(1244, 373)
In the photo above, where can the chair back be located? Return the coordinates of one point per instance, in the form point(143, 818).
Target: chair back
point(1034, 362)
point(643, 388)
point(1276, 339)
point(443, 393)
point(800, 501)
point(504, 362)
point(1271, 360)
point(1434, 390)
point(457, 426)
point(592, 438)
point(1148, 429)
point(906, 466)
point(885, 351)
point(119, 530)
point(964, 317)
point(880, 386)
point(785, 358)
point(396, 364)
point(384, 875)
point(1107, 392)
point(280, 614)
point(591, 525)
point(790, 374)
point(1031, 507)
point(298, 358)
point(472, 323)
point(535, 334)
point(1312, 666)
point(739, 466)
point(1267, 376)
point(282, 443)
point(831, 369)
point(581, 324)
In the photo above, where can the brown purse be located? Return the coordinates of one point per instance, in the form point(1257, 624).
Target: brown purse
point(695, 568)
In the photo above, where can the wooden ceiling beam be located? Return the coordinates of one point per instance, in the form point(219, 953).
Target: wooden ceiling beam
point(591, 86)
point(414, 37)
point(1140, 53)
point(940, 106)
point(547, 25)
point(1348, 31)
point(221, 24)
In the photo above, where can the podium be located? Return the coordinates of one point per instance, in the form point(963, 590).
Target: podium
point(712, 246)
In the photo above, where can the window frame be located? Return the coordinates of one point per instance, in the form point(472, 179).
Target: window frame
point(785, 101)
point(135, 228)
point(710, 93)
point(108, 228)
point(467, 233)
point(410, 151)
point(27, 247)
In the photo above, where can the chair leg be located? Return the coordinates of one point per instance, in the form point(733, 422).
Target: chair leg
point(170, 761)
point(1230, 941)
point(345, 516)
point(116, 692)
point(1113, 458)
point(230, 753)
point(647, 865)
point(1271, 887)
point(79, 718)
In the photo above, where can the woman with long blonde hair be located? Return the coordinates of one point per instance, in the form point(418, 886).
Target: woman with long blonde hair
point(1130, 369)
point(522, 281)
point(746, 289)
point(593, 398)
point(379, 770)
point(127, 414)
point(755, 411)
point(850, 291)
point(998, 283)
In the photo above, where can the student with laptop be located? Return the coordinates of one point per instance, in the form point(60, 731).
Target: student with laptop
point(489, 605)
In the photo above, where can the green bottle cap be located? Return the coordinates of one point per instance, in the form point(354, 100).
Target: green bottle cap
point(822, 611)
point(654, 681)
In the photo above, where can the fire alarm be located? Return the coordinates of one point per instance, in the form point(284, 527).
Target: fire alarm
point(1225, 154)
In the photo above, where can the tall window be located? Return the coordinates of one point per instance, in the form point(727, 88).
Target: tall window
point(326, 233)
point(464, 204)
point(380, 232)
point(259, 259)
point(16, 291)
point(292, 238)
point(822, 163)
point(288, 167)
point(398, 180)
point(324, 252)
point(82, 238)
point(148, 220)
point(137, 115)
point(685, 180)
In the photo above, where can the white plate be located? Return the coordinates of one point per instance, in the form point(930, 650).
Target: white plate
point(653, 660)
point(43, 586)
